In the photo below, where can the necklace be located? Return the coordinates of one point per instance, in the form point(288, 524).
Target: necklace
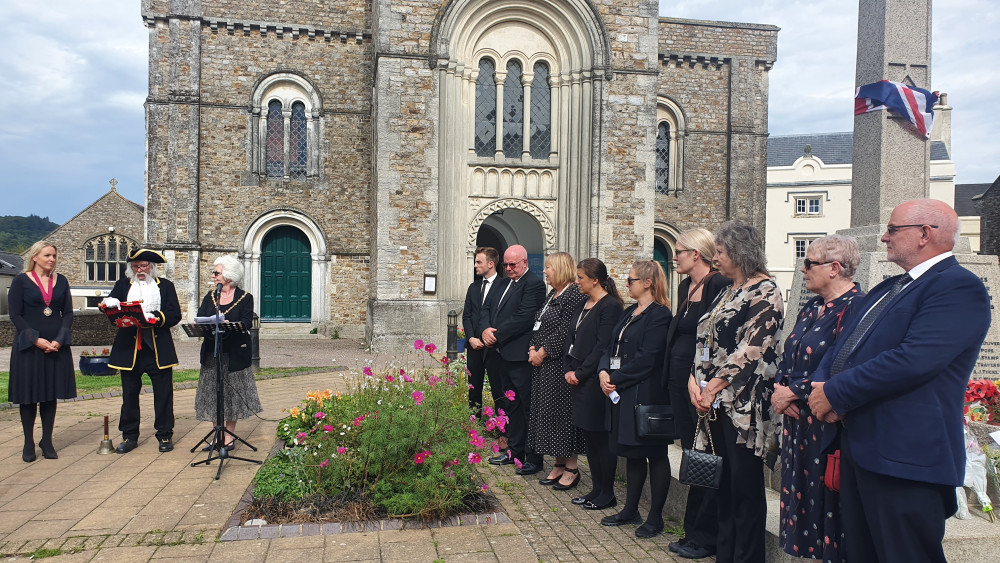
point(46, 295)
point(231, 306)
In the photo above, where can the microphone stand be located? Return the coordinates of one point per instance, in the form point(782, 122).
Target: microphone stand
point(219, 450)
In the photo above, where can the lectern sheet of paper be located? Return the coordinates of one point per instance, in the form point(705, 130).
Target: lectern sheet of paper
point(209, 320)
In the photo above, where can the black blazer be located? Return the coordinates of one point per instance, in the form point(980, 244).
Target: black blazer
point(589, 341)
point(712, 288)
point(471, 319)
point(237, 345)
point(123, 352)
point(642, 350)
point(514, 316)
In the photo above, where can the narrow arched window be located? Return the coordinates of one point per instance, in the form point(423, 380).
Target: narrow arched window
point(275, 145)
point(541, 112)
point(513, 111)
point(663, 158)
point(298, 155)
point(106, 257)
point(486, 109)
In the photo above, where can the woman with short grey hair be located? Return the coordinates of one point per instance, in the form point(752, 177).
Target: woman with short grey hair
point(731, 384)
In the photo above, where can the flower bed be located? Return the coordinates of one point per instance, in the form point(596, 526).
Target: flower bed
point(402, 442)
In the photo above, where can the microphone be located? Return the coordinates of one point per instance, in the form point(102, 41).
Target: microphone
point(218, 289)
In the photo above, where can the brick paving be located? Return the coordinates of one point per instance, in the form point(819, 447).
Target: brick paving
point(147, 506)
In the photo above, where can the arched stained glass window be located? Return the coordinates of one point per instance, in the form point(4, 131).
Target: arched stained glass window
point(298, 157)
point(663, 158)
point(106, 257)
point(541, 112)
point(275, 143)
point(486, 109)
point(513, 111)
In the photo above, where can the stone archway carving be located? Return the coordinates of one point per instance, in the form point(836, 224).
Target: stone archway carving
point(526, 206)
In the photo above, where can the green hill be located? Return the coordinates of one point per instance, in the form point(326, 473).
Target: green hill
point(17, 232)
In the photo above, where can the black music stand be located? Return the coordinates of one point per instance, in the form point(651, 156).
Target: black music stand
point(218, 434)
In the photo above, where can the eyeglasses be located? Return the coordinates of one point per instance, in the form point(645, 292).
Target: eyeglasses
point(140, 265)
point(512, 264)
point(893, 228)
point(628, 281)
point(216, 273)
point(810, 263)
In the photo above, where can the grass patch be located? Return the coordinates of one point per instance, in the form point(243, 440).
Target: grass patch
point(91, 384)
point(42, 553)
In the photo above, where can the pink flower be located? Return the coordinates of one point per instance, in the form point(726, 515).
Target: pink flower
point(485, 487)
point(402, 371)
point(509, 394)
point(471, 386)
point(418, 396)
point(496, 448)
point(325, 463)
point(449, 382)
point(327, 428)
point(419, 458)
point(491, 424)
point(390, 378)
point(517, 463)
point(367, 370)
point(478, 442)
point(474, 458)
point(418, 344)
point(488, 411)
point(320, 414)
point(432, 380)
point(444, 360)
point(341, 449)
point(301, 435)
point(429, 348)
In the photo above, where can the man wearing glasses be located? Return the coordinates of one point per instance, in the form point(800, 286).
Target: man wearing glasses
point(147, 349)
point(896, 377)
point(509, 315)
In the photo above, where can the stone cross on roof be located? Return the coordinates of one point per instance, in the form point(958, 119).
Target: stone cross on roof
point(113, 183)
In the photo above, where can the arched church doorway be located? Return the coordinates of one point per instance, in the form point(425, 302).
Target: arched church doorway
point(507, 227)
point(665, 256)
point(286, 276)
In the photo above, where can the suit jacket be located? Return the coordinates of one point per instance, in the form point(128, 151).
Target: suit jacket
point(643, 346)
point(124, 350)
point(514, 315)
point(236, 344)
point(589, 343)
point(902, 389)
point(471, 319)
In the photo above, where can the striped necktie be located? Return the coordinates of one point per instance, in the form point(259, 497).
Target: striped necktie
point(866, 323)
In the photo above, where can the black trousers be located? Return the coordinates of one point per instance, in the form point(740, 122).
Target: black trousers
point(701, 524)
point(887, 519)
point(163, 397)
point(476, 364)
point(514, 376)
point(742, 507)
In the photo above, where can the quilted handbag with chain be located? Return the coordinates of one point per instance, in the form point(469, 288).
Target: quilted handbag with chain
point(701, 469)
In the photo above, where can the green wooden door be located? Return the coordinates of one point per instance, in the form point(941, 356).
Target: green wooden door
point(286, 276)
point(663, 255)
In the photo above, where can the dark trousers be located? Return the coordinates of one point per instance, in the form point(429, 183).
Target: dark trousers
point(476, 364)
point(701, 524)
point(163, 397)
point(514, 376)
point(742, 507)
point(888, 519)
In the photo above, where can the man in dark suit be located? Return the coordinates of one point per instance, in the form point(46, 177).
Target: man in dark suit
point(485, 265)
point(147, 349)
point(509, 315)
point(896, 377)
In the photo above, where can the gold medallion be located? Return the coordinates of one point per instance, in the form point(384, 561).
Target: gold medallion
point(47, 312)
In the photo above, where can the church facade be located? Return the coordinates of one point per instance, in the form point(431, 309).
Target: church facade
point(353, 153)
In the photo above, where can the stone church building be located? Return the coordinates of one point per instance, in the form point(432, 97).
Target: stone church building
point(353, 153)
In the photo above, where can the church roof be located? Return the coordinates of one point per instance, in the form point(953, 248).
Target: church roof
point(965, 206)
point(10, 264)
point(831, 148)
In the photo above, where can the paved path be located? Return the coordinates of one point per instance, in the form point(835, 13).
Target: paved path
point(146, 505)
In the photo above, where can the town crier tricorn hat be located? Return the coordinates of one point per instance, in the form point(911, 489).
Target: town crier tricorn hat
point(147, 255)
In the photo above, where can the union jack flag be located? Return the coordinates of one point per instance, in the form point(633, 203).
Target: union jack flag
point(915, 104)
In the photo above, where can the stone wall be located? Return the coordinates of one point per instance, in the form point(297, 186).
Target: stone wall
point(91, 329)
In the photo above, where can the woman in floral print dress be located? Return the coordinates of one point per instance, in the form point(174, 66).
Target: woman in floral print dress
point(810, 513)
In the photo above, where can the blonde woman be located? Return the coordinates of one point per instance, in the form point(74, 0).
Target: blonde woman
point(41, 363)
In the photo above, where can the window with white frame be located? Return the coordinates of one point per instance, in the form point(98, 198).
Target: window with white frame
point(106, 257)
point(801, 245)
point(519, 112)
point(286, 120)
point(670, 132)
point(808, 205)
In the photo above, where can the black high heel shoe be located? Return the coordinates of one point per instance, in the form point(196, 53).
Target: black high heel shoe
point(48, 452)
point(576, 481)
point(28, 454)
point(552, 481)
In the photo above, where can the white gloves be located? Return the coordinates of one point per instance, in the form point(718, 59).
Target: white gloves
point(111, 303)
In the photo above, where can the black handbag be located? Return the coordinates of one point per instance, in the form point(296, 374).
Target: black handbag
point(701, 469)
point(654, 421)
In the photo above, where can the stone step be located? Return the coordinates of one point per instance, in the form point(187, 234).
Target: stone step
point(965, 541)
point(287, 331)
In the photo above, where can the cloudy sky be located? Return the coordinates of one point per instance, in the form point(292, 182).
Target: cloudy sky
point(74, 75)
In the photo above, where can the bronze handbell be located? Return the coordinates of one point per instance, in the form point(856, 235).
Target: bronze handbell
point(106, 446)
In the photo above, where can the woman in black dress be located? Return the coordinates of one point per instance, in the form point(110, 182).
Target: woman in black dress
point(239, 386)
point(592, 322)
point(41, 363)
point(693, 257)
point(550, 425)
point(630, 375)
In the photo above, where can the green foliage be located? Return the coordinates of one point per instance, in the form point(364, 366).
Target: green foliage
point(42, 553)
point(403, 437)
point(17, 232)
point(282, 477)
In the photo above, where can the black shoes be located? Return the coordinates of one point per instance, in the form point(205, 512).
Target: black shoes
point(620, 520)
point(28, 454)
point(576, 481)
point(528, 468)
point(690, 550)
point(166, 444)
point(648, 530)
point(553, 480)
point(502, 459)
point(591, 505)
point(48, 452)
point(580, 500)
point(126, 446)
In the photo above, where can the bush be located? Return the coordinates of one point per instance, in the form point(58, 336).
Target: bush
point(405, 439)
